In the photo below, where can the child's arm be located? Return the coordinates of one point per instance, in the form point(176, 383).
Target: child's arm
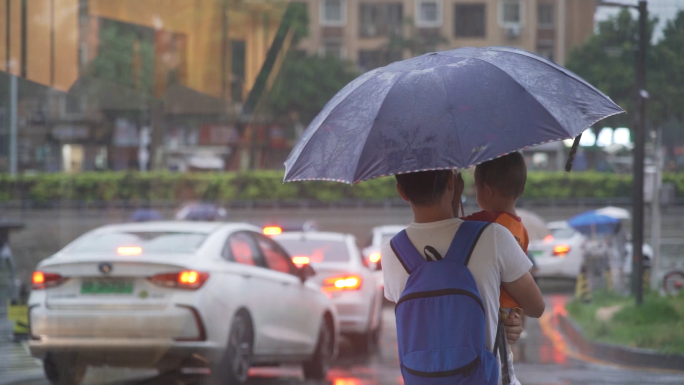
point(526, 293)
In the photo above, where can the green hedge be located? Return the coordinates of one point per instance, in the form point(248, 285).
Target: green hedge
point(267, 185)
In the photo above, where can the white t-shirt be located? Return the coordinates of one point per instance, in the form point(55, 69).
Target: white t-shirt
point(496, 258)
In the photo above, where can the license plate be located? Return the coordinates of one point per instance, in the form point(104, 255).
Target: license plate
point(106, 287)
point(536, 253)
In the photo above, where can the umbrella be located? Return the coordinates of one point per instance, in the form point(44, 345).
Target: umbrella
point(201, 212)
point(593, 222)
point(534, 224)
point(144, 215)
point(444, 110)
point(614, 212)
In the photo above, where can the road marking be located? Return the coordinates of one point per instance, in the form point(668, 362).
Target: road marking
point(559, 343)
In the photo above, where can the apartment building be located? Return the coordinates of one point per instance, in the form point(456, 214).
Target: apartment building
point(360, 30)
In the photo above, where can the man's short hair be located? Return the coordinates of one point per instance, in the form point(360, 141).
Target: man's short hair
point(506, 175)
point(424, 187)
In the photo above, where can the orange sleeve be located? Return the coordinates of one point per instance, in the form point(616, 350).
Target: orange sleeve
point(505, 300)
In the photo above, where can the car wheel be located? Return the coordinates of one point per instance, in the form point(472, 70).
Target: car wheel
point(233, 368)
point(63, 370)
point(317, 367)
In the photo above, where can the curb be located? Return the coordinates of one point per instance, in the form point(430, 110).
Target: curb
point(622, 355)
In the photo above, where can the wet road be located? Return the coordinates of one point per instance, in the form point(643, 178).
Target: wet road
point(542, 358)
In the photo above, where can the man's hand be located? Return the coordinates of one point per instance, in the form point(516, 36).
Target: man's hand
point(513, 326)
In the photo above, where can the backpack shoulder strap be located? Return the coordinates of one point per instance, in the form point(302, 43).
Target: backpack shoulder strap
point(407, 254)
point(465, 240)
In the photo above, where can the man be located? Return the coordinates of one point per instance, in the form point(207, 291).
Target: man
point(497, 260)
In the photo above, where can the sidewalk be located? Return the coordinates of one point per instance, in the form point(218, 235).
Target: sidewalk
point(15, 360)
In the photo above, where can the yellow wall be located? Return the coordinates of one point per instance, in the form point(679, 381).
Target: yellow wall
point(3, 35)
point(38, 49)
point(201, 21)
point(66, 43)
point(15, 37)
point(43, 24)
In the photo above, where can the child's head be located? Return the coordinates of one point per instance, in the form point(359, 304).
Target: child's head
point(426, 188)
point(500, 181)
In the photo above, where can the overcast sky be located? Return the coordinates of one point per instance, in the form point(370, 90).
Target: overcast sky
point(664, 9)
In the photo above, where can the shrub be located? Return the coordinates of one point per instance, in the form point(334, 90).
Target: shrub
point(268, 185)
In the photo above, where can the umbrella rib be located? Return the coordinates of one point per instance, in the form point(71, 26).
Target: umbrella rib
point(356, 166)
point(529, 93)
point(553, 65)
point(326, 118)
point(453, 120)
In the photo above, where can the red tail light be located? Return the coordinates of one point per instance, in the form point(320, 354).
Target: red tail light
point(561, 250)
point(187, 279)
point(42, 280)
point(352, 282)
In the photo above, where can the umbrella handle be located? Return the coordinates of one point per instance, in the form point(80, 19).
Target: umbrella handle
point(573, 151)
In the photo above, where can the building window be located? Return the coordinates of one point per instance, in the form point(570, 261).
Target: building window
point(469, 20)
point(428, 13)
point(511, 13)
point(380, 20)
point(545, 17)
point(371, 59)
point(334, 48)
point(73, 105)
point(333, 12)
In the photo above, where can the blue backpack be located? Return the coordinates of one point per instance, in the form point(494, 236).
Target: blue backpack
point(440, 315)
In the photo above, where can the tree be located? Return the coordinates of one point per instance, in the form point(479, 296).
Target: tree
point(607, 61)
point(305, 83)
point(666, 75)
point(126, 56)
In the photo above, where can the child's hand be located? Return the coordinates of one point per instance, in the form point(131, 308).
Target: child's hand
point(513, 326)
point(516, 312)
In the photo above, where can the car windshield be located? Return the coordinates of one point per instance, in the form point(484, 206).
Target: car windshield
point(562, 233)
point(318, 251)
point(147, 242)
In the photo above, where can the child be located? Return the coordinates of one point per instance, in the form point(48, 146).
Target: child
point(499, 183)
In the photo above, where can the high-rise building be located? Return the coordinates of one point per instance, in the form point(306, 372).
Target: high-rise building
point(366, 32)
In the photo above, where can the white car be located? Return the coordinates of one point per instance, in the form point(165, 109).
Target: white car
point(379, 236)
point(559, 254)
point(345, 278)
point(168, 295)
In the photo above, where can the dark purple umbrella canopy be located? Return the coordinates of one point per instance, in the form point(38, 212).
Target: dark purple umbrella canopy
point(444, 110)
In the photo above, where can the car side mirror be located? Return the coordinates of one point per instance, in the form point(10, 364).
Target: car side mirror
point(306, 272)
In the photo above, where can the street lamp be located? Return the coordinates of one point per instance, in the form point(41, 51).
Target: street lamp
point(639, 144)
